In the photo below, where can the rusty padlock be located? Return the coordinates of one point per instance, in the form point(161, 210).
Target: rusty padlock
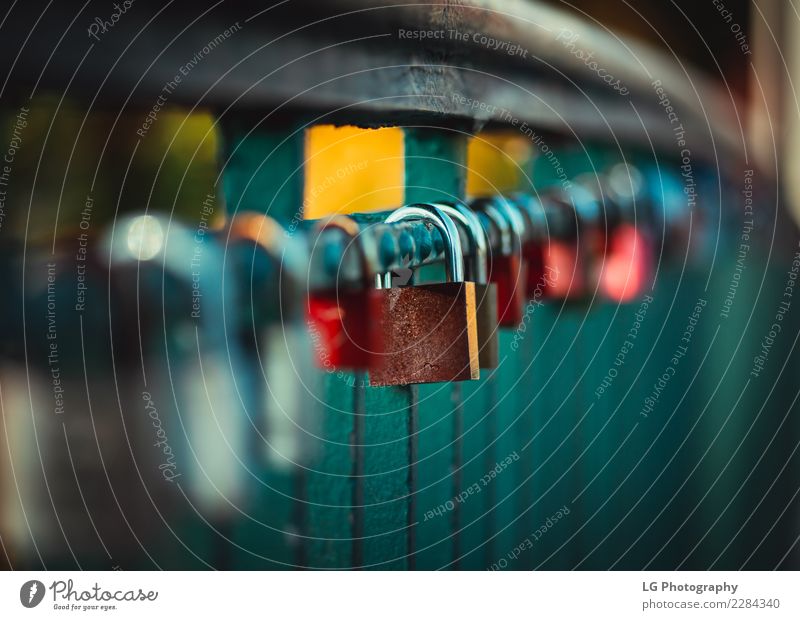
point(507, 269)
point(341, 319)
point(485, 292)
point(430, 331)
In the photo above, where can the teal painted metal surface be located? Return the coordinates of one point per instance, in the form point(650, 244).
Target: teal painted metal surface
point(474, 523)
point(262, 168)
point(386, 490)
point(435, 513)
point(331, 482)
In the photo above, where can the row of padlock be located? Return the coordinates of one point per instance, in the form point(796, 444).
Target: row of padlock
point(187, 372)
point(565, 245)
point(589, 239)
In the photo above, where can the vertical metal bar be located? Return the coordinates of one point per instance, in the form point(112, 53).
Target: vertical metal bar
point(413, 456)
point(385, 481)
point(357, 455)
point(435, 171)
point(457, 467)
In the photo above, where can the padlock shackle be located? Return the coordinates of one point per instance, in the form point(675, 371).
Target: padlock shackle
point(508, 221)
point(259, 228)
point(477, 236)
point(624, 184)
point(511, 212)
point(340, 222)
point(610, 210)
point(267, 233)
point(586, 203)
point(352, 230)
point(562, 219)
point(454, 256)
point(536, 225)
point(503, 227)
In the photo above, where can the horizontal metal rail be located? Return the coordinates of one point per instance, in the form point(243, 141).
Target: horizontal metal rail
point(337, 258)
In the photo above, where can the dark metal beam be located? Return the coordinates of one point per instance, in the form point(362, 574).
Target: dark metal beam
point(346, 61)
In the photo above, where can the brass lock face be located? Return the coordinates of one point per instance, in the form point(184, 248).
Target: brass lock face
point(430, 331)
point(485, 292)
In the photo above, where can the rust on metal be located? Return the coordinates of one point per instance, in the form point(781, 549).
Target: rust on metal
point(430, 335)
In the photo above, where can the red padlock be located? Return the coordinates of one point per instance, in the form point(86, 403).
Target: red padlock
point(562, 260)
point(575, 255)
point(342, 322)
point(631, 251)
point(507, 268)
point(539, 227)
point(551, 247)
point(628, 265)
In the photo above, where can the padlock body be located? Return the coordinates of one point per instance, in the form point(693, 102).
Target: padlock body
point(486, 308)
point(533, 254)
point(508, 273)
point(344, 330)
point(628, 265)
point(564, 270)
point(430, 335)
